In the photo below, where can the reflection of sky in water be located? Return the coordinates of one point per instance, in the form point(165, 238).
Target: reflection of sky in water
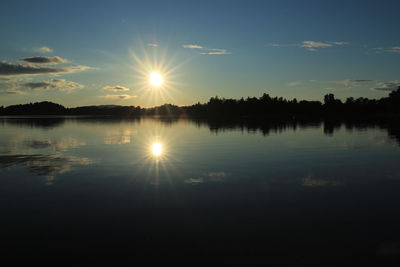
point(303, 187)
point(181, 152)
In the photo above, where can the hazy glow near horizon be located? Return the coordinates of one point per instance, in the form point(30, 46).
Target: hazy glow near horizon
point(156, 79)
point(156, 149)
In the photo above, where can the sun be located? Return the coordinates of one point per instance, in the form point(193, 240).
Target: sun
point(156, 79)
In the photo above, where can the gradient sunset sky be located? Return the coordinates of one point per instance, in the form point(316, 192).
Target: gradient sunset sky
point(100, 52)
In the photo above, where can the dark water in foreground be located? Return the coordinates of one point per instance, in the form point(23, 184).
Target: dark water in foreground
point(104, 192)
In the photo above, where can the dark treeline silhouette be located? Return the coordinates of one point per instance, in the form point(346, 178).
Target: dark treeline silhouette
point(251, 107)
point(266, 106)
point(49, 108)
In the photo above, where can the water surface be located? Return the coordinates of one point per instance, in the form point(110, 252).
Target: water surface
point(87, 190)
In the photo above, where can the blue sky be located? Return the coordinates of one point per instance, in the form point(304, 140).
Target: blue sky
point(100, 52)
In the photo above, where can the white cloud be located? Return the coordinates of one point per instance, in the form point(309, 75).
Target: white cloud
point(115, 88)
point(216, 51)
point(340, 43)
point(313, 46)
point(393, 49)
point(310, 45)
point(152, 44)
point(207, 51)
point(43, 49)
point(192, 46)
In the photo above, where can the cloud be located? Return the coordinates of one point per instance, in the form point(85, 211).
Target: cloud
point(43, 49)
point(54, 84)
point(12, 92)
point(119, 97)
point(45, 60)
point(152, 44)
point(115, 88)
point(10, 69)
point(393, 49)
point(216, 51)
point(340, 43)
point(345, 84)
point(310, 45)
point(207, 51)
point(9, 87)
point(387, 86)
point(192, 46)
point(313, 46)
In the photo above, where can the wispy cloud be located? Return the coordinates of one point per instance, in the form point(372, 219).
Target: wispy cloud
point(192, 46)
point(315, 45)
point(119, 97)
point(340, 43)
point(387, 86)
point(115, 88)
point(393, 49)
point(216, 51)
point(54, 84)
point(310, 45)
point(152, 44)
point(207, 51)
point(10, 69)
point(344, 84)
point(11, 92)
point(43, 49)
point(45, 60)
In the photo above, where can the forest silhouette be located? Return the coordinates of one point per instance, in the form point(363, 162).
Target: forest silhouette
point(251, 107)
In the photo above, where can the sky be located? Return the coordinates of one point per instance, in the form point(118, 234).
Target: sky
point(79, 53)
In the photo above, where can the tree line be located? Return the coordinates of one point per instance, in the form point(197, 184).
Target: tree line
point(264, 106)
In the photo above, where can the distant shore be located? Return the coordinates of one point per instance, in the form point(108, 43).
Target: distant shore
point(264, 107)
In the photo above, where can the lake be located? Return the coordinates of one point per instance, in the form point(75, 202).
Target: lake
point(112, 191)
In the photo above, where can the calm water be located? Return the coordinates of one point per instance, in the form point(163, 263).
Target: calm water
point(119, 191)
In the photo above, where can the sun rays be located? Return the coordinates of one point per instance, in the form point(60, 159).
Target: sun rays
point(158, 161)
point(155, 75)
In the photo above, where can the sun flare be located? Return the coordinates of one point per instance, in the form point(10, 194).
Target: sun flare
point(156, 149)
point(156, 79)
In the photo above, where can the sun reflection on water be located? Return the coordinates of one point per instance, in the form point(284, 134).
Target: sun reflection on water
point(156, 149)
